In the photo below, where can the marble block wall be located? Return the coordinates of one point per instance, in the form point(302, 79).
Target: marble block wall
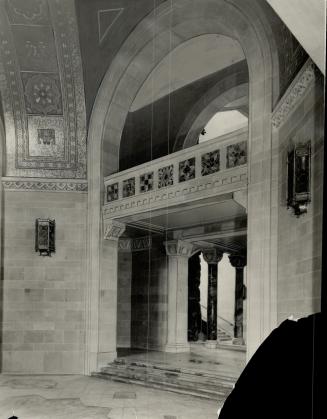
point(149, 298)
point(124, 300)
point(299, 239)
point(44, 297)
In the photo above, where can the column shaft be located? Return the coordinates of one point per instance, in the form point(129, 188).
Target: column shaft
point(178, 253)
point(212, 256)
point(238, 262)
point(238, 314)
point(212, 301)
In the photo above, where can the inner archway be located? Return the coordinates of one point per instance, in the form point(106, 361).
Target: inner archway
point(245, 22)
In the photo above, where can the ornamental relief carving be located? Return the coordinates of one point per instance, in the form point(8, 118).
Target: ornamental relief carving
point(294, 94)
point(174, 194)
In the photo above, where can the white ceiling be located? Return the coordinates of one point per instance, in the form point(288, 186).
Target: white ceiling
point(191, 61)
point(306, 19)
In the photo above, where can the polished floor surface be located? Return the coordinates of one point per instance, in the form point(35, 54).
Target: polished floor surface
point(78, 397)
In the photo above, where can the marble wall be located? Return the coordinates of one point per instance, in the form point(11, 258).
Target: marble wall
point(299, 239)
point(149, 298)
point(43, 329)
point(124, 309)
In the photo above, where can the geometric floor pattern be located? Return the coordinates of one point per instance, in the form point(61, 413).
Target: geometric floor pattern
point(80, 397)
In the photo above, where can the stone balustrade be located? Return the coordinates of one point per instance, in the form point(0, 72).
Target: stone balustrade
point(211, 168)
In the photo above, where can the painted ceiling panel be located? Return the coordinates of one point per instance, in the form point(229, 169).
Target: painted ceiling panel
point(42, 89)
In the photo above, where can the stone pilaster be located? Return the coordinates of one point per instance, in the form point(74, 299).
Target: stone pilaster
point(212, 256)
point(107, 348)
point(238, 262)
point(178, 252)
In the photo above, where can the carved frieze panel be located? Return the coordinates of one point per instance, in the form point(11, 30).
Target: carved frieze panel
point(294, 94)
point(112, 192)
point(236, 154)
point(210, 163)
point(129, 187)
point(187, 169)
point(41, 80)
point(46, 185)
point(135, 245)
point(165, 176)
point(146, 182)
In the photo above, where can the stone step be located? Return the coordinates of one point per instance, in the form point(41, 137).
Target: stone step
point(167, 376)
point(166, 387)
point(180, 370)
point(179, 380)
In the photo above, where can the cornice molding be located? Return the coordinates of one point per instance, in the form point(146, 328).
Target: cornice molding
point(44, 185)
point(294, 94)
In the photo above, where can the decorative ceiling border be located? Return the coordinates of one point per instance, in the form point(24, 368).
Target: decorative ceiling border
point(44, 185)
point(294, 94)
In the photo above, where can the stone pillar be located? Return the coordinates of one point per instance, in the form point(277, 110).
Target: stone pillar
point(178, 252)
point(212, 256)
point(107, 348)
point(238, 262)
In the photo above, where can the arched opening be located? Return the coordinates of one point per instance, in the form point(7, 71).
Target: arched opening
point(223, 123)
point(117, 93)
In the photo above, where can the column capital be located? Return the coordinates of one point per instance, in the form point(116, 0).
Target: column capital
point(212, 255)
point(113, 229)
point(179, 248)
point(238, 261)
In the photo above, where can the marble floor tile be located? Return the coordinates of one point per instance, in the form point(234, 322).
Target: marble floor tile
point(79, 397)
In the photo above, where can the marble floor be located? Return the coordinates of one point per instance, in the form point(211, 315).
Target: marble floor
point(80, 397)
point(224, 362)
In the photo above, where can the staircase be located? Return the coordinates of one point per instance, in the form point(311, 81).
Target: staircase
point(223, 336)
point(207, 385)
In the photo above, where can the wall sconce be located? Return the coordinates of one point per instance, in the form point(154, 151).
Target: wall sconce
point(299, 178)
point(45, 236)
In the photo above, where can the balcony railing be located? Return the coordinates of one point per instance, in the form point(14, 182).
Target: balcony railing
point(207, 169)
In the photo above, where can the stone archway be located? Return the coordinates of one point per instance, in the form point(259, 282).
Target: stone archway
point(245, 22)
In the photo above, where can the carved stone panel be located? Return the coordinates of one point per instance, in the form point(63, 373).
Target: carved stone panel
point(210, 163)
point(129, 187)
point(166, 176)
point(146, 182)
point(112, 192)
point(187, 170)
point(236, 155)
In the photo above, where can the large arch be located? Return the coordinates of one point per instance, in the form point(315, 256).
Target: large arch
point(244, 21)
